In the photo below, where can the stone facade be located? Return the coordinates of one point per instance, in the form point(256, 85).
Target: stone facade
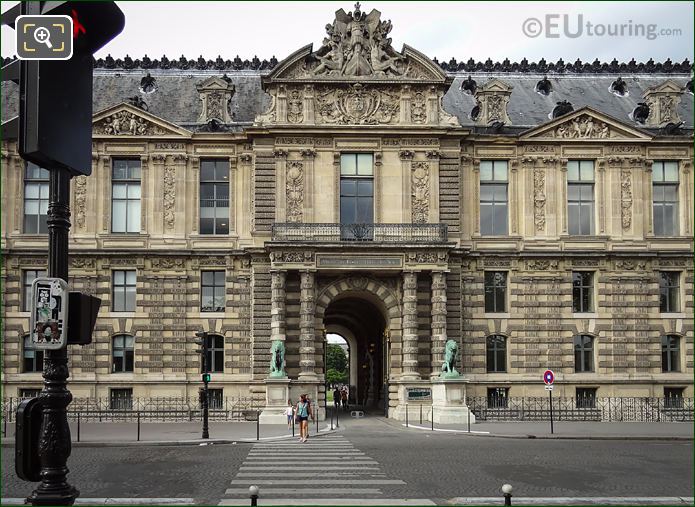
point(414, 280)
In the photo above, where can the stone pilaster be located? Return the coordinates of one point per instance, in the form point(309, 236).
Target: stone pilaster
point(307, 302)
point(438, 320)
point(410, 347)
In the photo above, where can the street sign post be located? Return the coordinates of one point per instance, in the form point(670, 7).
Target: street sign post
point(49, 313)
point(548, 379)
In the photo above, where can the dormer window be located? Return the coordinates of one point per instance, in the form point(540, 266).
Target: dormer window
point(543, 87)
point(619, 88)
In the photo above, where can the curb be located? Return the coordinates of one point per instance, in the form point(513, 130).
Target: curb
point(550, 437)
point(9, 442)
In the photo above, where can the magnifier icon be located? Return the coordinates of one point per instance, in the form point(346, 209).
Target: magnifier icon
point(43, 36)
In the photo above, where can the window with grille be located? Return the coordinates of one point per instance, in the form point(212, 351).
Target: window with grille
point(214, 197)
point(212, 287)
point(35, 199)
point(673, 397)
point(582, 291)
point(586, 397)
point(33, 358)
point(29, 393)
point(669, 288)
point(580, 197)
point(215, 399)
point(583, 353)
point(125, 197)
point(28, 277)
point(670, 352)
point(121, 399)
point(356, 194)
point(124, 290)
point(215, 357)
point(493, 197)
point(123, 354)
point(496, 354)
point(665, 197)
point(498, 397)
point(495, 291)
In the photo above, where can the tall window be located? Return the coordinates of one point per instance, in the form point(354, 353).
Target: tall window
point(497, 397)
point(212, 291)
point(28, 276)
point(33, 359)
point(582, 291)
point(495, 291)
point(215, 357)
point(122, 354)
point(665, 197)
point(124, 291)
point(670, 350)
point(215, 399)
point(496, 354)
point(586, 397)
point(580, 197)
point(121, 399)
point(35, 199)
point(214, 197)
point(493, 197)
point(583, 353)
point(356, 193)
point(669, 287)
point(125, 198)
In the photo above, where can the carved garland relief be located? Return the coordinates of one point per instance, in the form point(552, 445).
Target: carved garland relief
point(420, 192)
point(80, 201)
point(169, 196)
point(626, 198)
point(539, 199)
point(295, 190)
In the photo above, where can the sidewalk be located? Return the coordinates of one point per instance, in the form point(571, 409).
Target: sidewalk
point(562, 429)
point(159, 433)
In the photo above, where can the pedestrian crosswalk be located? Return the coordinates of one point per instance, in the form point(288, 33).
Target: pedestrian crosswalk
point(326, 470)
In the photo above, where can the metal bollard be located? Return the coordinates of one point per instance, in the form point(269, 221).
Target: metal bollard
point(420, 413)
point(253, 494)
point(293, 419)
point(78, 426)
point(337, 415)
point(507, 491)
point(332, 419)
point(406, 415)
point(469, 420)
point(138, 425)
point(432, 417)
point(258, 424)
point(317, 420)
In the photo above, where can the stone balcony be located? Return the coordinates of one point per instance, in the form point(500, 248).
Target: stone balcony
point(359, 233)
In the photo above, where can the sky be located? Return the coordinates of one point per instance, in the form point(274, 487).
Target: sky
point(442, 30)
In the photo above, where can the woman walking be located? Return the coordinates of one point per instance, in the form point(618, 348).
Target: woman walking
point(290, 414)
point(303, 413)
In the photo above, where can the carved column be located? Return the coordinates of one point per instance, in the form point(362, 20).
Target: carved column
point(513, 194)
point(687, 198)
point(406, 157)
point(281, 105)
point(476, 196)
point(277, 305)
point(648, 199)
point(194, 166)
point(281, 192)
point(601, 195)
point(308, 105)
point(563, 188)
point(160, 205)
point(405, 105)
point(18, 168)
point(432, 106)
point(410, 346)
point(308, 155)
point(105, 169)
point(307, 351)
point(438, 320)
point(145, 198)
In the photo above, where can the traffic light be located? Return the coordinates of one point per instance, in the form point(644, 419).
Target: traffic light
point(206, 378)
point(201, 341)
point(54, 126)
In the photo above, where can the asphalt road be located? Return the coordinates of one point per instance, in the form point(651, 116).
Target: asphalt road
point(438, 466)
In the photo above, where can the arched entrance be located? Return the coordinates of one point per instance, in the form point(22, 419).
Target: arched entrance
point(366, 313)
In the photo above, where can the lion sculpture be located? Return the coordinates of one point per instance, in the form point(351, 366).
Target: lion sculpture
point(449, 364)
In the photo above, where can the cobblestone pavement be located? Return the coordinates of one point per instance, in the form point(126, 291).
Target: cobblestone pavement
point(437, 466)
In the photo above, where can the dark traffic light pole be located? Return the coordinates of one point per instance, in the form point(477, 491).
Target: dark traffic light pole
point(54, 440)
point(206, 433)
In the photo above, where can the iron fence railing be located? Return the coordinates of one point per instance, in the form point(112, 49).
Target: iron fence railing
point(376, 233)
point(628, 409)
point(163, 409)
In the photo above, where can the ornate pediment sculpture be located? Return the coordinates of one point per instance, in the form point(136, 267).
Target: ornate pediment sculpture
point(127, 120)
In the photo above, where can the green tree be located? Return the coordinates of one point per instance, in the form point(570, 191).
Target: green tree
point(336, 359)
point(336, 377)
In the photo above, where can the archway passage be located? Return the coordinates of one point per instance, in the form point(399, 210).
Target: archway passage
point(362, 325)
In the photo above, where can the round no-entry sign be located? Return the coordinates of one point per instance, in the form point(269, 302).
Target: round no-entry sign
point(548, 377)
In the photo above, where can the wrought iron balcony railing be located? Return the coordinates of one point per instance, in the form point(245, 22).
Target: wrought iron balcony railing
point(375, 233)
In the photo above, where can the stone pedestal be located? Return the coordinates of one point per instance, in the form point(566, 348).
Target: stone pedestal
point(277, 392)
point(449, 402)
point(412, 394)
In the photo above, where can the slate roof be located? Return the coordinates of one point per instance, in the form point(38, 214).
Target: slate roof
point(176, 98)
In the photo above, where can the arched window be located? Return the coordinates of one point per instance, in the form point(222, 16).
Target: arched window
point(583, 353)
point(33, 359)
point(496, 354)
point(670, 350)
point(215, 357)
point(122, 354)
